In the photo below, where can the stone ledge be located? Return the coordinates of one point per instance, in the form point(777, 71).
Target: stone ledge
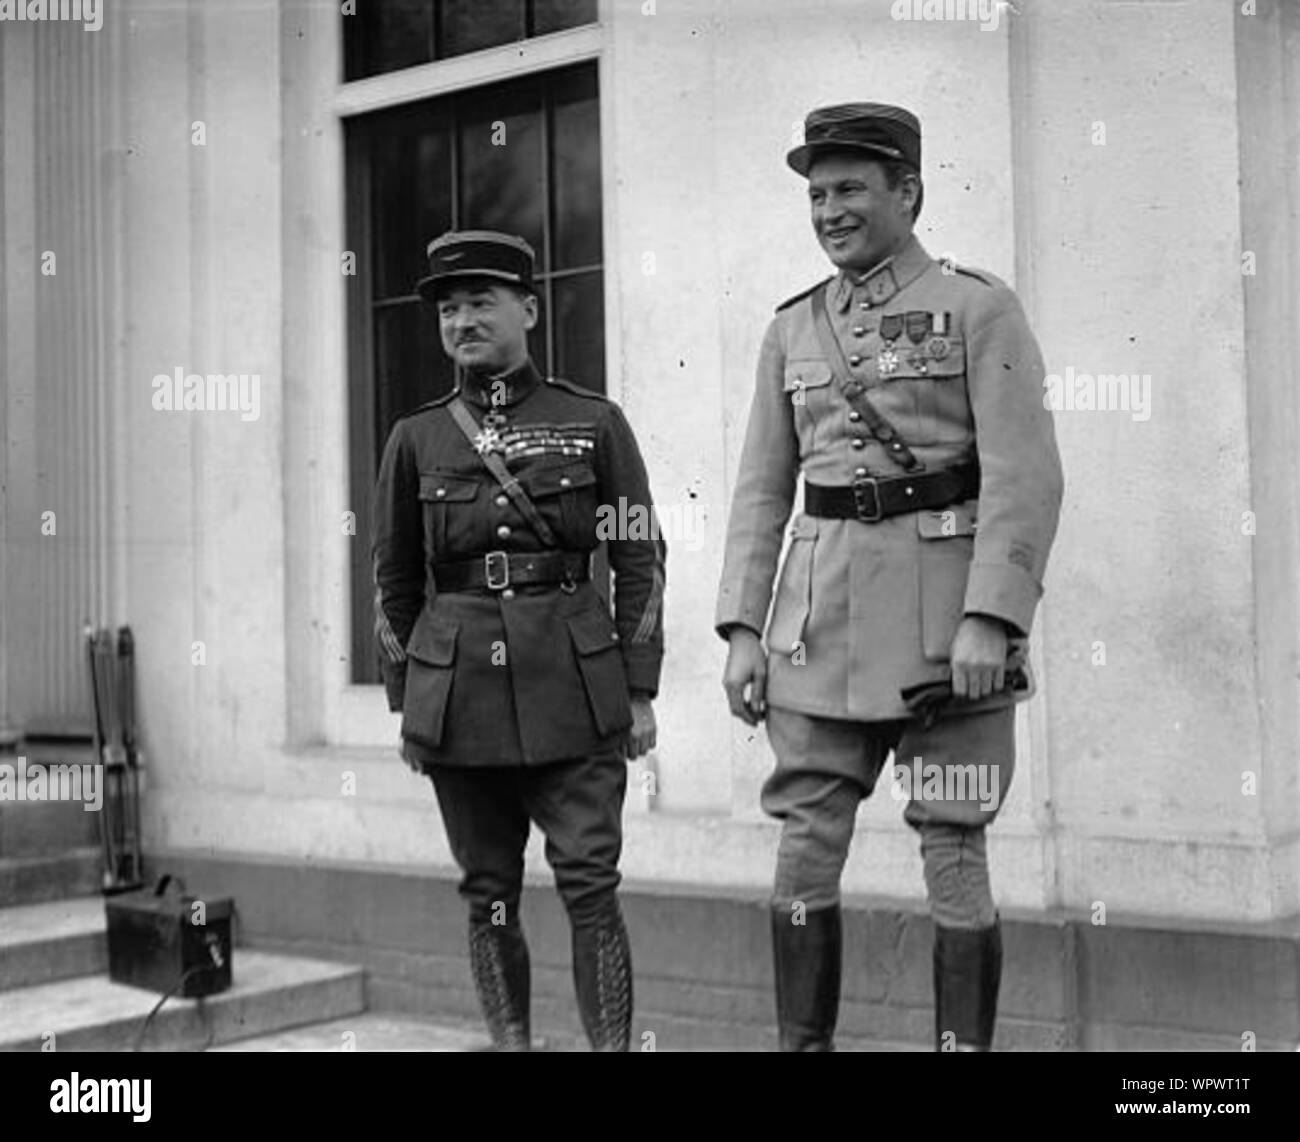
point(702, 958)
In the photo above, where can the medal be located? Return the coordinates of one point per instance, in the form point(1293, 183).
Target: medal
point(488, 438)
point(917, 324)
point(938, 348)
point(891, 326)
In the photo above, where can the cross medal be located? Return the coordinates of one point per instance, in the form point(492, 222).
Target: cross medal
point(488, 438)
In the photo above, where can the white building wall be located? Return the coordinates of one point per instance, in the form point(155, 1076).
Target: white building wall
point(1128, 789)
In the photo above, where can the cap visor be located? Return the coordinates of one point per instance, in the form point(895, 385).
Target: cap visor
point(801, 159)
point(428, 287)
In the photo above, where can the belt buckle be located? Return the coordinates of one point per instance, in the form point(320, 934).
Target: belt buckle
point(504, 563)
point(860, 486)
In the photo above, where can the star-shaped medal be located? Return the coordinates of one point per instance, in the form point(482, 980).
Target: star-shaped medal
point(887, 361)
point(487, 440)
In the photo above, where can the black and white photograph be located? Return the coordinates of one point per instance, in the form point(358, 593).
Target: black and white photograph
point(657, 526)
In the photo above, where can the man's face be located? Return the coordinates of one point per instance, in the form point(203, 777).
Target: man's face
point(485, 324)
point(858, 220)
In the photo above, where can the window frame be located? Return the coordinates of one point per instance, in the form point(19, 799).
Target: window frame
point(360, 716)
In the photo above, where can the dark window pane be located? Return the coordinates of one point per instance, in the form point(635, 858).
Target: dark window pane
point(410, 366)
point(471, 25)
point(411, 204)
point(384, 35)
point(580, 329)
point(554, 15)
point(501, 186)
point(575, 179)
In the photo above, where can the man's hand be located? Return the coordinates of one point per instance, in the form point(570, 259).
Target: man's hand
point(644, 735)
point(746, 670)
point(979, 656)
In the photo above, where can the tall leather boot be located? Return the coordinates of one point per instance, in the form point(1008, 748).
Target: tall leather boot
point(498, 958)
point(807, 958)
point(967, 972)
point(602, 977)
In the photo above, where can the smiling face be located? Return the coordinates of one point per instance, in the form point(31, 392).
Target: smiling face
point(485, 325)
point(858, 219)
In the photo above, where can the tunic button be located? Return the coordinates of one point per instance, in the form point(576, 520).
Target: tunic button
point(565, 482)
point(613, 636)
point(855, 416)
point(855, 360)
point(503, 532)
point(896, 446)
point(858, 442)
point(864, 305)
point(859, 471)
point(508, 593)
point(859, 331)
point(501, 501)
point(440, 492)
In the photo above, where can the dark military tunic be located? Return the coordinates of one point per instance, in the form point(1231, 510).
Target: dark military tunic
point(535, 673)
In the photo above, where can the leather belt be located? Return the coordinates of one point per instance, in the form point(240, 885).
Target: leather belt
point(498, 570)
point(873, 498)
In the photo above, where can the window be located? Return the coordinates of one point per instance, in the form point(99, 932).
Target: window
point(521, 156)
point(385, 35)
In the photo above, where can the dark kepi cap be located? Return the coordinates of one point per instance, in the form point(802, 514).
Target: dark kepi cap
point(877, 129)
point(477, 254)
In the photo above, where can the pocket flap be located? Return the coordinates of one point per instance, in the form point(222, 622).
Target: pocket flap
point(920, 361)
point(806, 375)
point(433, 641)
point(441, 487)
point(955, 519)
point(556, 478)
point(592, 632)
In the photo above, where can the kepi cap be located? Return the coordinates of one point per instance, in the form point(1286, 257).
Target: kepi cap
point(881, 130)
point(477, 254)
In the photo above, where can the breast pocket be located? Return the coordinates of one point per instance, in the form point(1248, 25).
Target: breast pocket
point(807, 385)
point(447, 500)
point(565, 495)
point(934, 373)
point(430, 670)
point(947, 545)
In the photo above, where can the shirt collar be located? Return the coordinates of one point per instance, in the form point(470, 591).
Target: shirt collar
point(879, 284)
point(485, 392)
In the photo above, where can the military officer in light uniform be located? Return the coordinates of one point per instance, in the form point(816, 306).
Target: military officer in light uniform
point(520, 696)
point(914, 410)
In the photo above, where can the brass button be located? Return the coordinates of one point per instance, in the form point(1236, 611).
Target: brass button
point(858, 442)
point(908, 490)
point(864, 305)
point(896, 446)
point(440, 492)
point(855, 360)
point(859, 471)
point(565, 482)
point(508, 593)
point(503, 532)
point(502, 501)
point(859, 331)
point(855, 416)
point(613, 636)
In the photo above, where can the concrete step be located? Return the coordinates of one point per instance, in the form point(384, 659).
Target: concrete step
point(45, 828)
point(270, 993)
point(33, 879)
point(58, 939)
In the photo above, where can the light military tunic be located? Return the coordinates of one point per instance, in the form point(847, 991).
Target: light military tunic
point(865, 609)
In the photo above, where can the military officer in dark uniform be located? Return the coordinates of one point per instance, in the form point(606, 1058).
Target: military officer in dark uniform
point(520, 696)
point(909, 395)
